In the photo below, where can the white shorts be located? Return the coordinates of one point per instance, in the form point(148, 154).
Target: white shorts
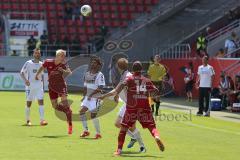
point(122, 111)
point(34, 94)
point(92, 105)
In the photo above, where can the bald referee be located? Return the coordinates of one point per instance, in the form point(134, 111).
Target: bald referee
point(204, 84)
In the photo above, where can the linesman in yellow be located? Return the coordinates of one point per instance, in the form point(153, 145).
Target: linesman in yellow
point(156, 73)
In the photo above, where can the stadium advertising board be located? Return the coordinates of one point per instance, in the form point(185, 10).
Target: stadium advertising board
point(22, 28)
point(11, 81)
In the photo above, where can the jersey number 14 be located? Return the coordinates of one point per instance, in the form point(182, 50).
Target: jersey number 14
point(140, 88)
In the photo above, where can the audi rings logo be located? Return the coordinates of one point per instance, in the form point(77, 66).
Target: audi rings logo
point(125, 45)
point(110, 46)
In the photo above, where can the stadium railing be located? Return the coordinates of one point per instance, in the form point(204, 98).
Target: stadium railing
point(46, 50)
point(233, 54)
point(179, 51)
point(225, 30)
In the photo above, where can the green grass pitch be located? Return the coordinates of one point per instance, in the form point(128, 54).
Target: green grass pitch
point(199, 139)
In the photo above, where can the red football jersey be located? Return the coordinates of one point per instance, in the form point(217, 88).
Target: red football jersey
point(138, 91)
point(51, 66)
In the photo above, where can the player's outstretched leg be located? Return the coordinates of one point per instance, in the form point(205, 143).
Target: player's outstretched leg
point(83, 118)
point(96, 125)
point(155, 134)
point(67, 110)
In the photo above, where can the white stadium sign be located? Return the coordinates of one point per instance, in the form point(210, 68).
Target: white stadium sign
point(11, 81)
point(26, 27)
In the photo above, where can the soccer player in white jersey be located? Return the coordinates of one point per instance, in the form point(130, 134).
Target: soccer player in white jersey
point(133, 132)
point(34, 88)
point(93, 82)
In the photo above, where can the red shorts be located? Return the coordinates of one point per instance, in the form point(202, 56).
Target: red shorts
point(54, 95)
point(143, 115)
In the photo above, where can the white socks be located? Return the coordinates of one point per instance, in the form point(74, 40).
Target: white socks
point(130, 134)
point(83, 118)
point(41, 112)
point(138, 137)
point(96, 125)
point(27, 113)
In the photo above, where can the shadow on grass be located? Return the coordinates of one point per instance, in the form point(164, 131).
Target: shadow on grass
point(50, 137)
point(33, 125)
point(88, 138)
point(137, 154)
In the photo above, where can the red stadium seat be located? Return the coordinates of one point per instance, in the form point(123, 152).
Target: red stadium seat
point(32, 1)
point(51, 15)
point(83, 39)
point(69, 23)
point(131, 8)
point(107, 23)
point(88, 23)
point(59, 8)
point(90, 31)
point(62, 29)
point(6, 6)
point(122, 8)
point(113, 8)
point(41, 7)
point(80, 30)
point(97, 23)
point(23, 7)
point(104, 8)
point(52, 22)
point(106, 16)
point(120, 1)
point(139, 9)
point(79, 23)
point(123, 24)
point(61, 22)
point(114, 16)
point(115, 23)
point(32, 7)
point(15, 7)
point(71, 30)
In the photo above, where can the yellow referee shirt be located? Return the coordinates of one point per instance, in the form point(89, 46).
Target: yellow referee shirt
point(156, 72)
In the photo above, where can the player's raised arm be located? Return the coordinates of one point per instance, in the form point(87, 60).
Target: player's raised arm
point(39, 72)
point(114, 92)
point(153, 91)
point(66, 72)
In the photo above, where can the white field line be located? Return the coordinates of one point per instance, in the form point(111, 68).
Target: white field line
point(211, 128)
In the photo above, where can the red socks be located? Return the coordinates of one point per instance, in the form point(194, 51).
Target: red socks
point(121, 138)
point(67, 110)
point(154, 131)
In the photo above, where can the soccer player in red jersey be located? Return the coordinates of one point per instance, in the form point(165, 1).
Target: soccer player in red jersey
point(57, 70)
point(139, 89)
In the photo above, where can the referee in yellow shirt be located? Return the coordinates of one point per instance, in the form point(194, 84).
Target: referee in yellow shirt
point(156, 73)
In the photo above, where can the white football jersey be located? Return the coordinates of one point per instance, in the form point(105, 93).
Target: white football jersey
point(123, 93)
point(30, 69)
point(93, 81)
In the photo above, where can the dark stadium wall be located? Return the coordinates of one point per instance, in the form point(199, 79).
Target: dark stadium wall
point(231, 66)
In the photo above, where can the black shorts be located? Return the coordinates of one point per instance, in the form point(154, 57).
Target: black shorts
point(189, 86)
